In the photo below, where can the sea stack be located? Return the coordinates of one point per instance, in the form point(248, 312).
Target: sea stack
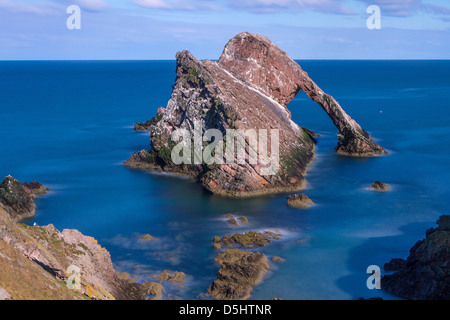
point(247, 90)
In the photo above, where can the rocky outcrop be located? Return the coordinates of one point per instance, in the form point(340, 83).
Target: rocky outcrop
point(50, 253)
point(426, 273)
point(247, 89)
point(379, 186)
point(299, 201)
point(250, 239)
point(255, 60)
point(208, 94)
point(18, 198)
point(239, 272)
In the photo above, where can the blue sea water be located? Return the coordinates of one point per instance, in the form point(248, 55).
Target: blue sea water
point(69, 125)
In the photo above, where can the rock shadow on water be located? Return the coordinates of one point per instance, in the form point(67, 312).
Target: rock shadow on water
point(378, 251)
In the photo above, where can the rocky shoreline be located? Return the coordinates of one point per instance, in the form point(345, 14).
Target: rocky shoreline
point(425, 274)
point(47, 253)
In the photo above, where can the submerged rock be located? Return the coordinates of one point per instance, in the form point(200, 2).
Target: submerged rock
point(251, 239)
point(277, 259)
point(18, 198)
point(239, 272)
point(231, 219)
point(425, 274)
point(379, 186)
point(148, 237)
point(299, 201)
point(154, 289)
point(243, 220)
point(175, 277)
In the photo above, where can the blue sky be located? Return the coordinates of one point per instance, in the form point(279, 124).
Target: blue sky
point(157, 29)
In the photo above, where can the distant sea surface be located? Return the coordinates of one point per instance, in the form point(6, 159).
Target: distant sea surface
point(69, 125)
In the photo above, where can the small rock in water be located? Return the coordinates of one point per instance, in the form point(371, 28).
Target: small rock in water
point(379, 186)
point(243, 220)
point(148, 237)
point(277, 259)
point(299, 201)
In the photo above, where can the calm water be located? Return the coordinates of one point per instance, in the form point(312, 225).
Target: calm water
point(69, 125)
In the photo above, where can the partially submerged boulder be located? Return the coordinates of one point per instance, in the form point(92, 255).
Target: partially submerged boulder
point(250, 239)
point(380, 186)
point(299, 201)
point(239, 272)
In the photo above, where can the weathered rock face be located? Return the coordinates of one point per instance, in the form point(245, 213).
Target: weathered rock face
point(247, 89)
point(239, 272)
point(255, 60)
point(18, 198)
point(207, 93)
point(50, 253)
point(426, 273)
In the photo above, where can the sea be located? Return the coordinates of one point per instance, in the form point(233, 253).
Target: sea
point(69, 125)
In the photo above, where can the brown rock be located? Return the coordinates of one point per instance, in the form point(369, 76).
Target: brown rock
point(299, 201)
point(277, 259)
point(251, 239)
point(148, 237)
point(239, 272)
point(243, 220)
point(379, 186)
point(154, 289)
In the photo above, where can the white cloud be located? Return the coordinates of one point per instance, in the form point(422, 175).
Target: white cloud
point(92, 5)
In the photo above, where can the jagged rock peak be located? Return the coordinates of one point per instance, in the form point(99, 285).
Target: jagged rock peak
point(257, 61)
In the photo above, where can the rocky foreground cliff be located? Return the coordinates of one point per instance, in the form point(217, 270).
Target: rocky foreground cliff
point(247, 89)
point(35, 261)
point(425, 274)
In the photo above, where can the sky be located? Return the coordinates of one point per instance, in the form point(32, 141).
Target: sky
point(157, 29)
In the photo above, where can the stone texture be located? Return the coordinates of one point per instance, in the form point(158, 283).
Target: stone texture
point(426, 273)
point(255, 60)
point(379, 186)
point(239, 272)
point(204, 91)
point(299, 201)
point(18, 198)
point(250, 239)
point(52, 252)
